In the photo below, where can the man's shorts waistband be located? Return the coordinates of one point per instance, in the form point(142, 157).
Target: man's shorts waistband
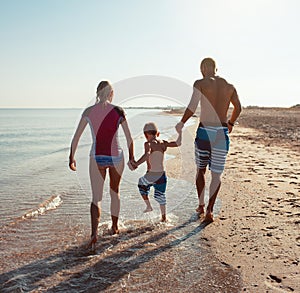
point(207, 124)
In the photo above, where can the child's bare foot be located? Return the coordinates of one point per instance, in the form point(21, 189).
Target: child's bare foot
point(163, 218)
point(200, 209)
point(208, 218)
point(148, 209)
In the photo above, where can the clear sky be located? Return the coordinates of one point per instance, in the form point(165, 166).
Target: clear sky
point(53, 53)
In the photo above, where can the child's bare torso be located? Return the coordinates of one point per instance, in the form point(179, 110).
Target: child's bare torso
point(156, 156)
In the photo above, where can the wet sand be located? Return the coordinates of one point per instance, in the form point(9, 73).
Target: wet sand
point(252, 246)
point(258, 229)
point(147, 256)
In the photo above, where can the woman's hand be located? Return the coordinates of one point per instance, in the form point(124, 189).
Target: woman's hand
point(132, 164)
point(72, 164)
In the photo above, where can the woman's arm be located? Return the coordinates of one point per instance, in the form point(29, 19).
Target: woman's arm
point(80, 128)
point(128, 139)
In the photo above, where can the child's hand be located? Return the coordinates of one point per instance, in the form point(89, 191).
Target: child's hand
point(132, 165)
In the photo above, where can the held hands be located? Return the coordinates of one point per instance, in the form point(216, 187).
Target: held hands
point(132, 165)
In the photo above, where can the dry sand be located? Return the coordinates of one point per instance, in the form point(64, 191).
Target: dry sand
point(258, 228)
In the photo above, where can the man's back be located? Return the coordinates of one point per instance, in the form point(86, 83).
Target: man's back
point(216, 96)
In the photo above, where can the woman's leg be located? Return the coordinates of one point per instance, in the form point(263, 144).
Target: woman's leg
point(97, 177)
point(115, 175)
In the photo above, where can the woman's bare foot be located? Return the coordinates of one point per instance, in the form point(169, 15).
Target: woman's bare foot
point(148, 209)
point(200, 209)
point(92, 242)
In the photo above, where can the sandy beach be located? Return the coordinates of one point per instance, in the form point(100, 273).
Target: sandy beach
point(252, 246)
point(257, 230)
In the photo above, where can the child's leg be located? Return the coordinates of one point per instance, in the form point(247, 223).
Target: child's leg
point(160, 195)
point(148, 204)
point(163, 213)
point(144, 188)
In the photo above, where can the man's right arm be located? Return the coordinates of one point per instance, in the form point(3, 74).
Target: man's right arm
point(192, 106)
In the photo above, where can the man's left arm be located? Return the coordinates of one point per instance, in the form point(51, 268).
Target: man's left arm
point(237, 109)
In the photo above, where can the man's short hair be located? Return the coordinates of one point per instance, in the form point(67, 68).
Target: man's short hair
point(208, 62)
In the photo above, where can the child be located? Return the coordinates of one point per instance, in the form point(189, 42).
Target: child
point(155, 176)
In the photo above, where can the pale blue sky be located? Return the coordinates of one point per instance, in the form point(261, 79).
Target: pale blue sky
point(53, 53)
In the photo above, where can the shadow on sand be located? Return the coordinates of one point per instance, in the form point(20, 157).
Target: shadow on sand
point(76, 270)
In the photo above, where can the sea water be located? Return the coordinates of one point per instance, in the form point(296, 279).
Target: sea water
point(44, 207)
point(34, 157)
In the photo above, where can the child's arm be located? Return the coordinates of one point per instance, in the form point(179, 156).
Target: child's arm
point(146, 154)
point(173, 144)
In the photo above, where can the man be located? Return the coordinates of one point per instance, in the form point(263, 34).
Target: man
point(212, 140)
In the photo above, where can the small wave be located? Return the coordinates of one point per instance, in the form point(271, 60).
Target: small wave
point(68, 148)
point(50, 204)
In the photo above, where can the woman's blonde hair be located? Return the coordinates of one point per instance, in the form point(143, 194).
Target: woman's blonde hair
point(104, 89)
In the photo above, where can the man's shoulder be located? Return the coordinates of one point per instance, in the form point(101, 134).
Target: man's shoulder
point(222, 79)
point(198, 82)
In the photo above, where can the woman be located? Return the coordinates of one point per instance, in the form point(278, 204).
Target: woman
point(104, 119)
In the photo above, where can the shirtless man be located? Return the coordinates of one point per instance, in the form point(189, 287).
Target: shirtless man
point(212, 140)
point(156, 175)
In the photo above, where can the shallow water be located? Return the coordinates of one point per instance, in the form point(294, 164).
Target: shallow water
point(45, 221)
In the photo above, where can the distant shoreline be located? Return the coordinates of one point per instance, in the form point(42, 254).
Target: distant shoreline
point(165, 108)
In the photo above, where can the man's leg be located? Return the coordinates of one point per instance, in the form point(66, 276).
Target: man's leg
point(202, 159)
point(200, 183)
point(213, 192)
point(218, 159)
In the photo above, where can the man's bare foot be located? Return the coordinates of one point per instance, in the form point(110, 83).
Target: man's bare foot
point(148, 209)
point(200, 209)
point(114, 231)
point(208, 218)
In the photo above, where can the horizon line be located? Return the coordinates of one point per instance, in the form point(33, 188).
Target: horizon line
point(135, 107)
